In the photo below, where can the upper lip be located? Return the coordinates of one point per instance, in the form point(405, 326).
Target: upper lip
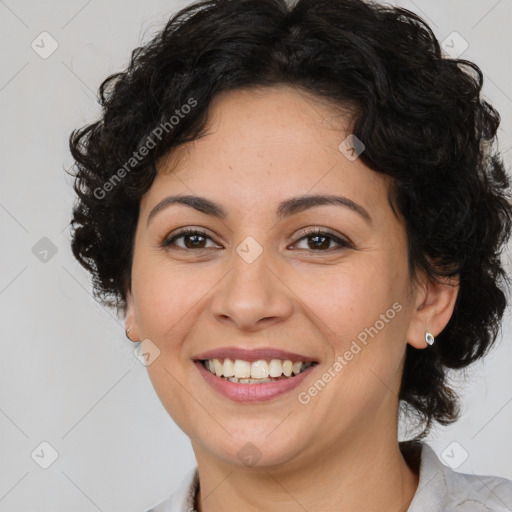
point(256, 354)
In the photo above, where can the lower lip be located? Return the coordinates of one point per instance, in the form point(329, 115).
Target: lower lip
point(251, 392)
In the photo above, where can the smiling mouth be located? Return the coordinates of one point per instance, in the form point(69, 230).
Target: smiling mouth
point(256, 372)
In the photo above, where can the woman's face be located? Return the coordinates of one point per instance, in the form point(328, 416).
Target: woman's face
point(260, 279)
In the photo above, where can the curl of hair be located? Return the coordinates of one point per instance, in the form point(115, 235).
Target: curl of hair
point(420, 115)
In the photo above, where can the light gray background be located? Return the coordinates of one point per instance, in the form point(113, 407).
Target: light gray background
point(68, 376)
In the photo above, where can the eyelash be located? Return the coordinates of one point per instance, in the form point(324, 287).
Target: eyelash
point(304, 235)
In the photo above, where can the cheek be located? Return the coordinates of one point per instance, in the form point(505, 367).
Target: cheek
point(163, 294)
point(350, 299)
point(367, 317)
point(363, 314)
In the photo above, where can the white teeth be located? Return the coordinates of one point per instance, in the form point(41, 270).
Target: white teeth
point(259, 369)
point(276, 369)
point(256, 372)
point(242, 369)
point(218, 367)
point(229, 368)
point(252, 381)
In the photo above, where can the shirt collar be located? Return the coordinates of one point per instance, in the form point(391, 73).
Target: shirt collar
point(429, 496)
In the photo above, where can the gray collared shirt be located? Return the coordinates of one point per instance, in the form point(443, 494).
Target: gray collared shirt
point(440, 489)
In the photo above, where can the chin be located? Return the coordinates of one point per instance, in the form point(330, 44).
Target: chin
point(257, 448)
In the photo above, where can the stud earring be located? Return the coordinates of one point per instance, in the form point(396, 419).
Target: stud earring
point(127, 332)
point(429, 338)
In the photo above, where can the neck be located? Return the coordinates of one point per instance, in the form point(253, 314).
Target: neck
point(356, 475)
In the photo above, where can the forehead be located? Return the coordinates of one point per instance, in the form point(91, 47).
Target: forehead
point(263, 145)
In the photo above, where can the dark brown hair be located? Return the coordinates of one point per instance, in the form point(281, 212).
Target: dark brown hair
point(420, 115)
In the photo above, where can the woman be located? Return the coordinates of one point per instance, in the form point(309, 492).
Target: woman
point(300, 214)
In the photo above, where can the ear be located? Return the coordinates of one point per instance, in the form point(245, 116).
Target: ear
point(435, 302)
point(131, 318)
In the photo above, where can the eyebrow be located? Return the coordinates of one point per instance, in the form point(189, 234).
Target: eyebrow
point(285, 209)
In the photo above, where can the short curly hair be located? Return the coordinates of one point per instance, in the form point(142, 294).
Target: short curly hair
point(420, 115)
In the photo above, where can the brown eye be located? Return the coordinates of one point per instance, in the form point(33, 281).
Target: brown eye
point(319, 241)
point(192, 239)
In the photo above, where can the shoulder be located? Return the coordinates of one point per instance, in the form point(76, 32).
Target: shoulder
point(183, 498)
point(451, 491)
point(470, 492)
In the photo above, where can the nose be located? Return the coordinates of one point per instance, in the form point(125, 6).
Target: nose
point(252, 295)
